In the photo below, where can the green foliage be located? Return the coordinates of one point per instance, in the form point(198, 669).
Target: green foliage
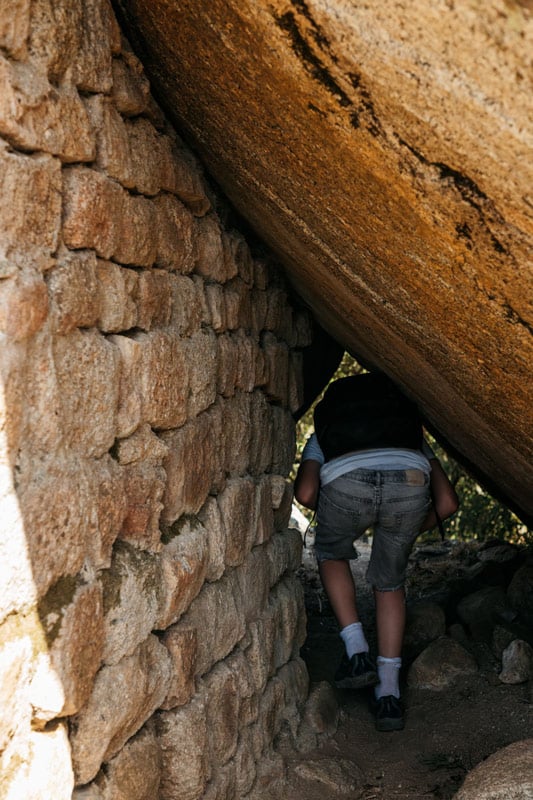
point(479, 517)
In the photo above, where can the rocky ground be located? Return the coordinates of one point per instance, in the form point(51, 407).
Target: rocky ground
point(448, 731)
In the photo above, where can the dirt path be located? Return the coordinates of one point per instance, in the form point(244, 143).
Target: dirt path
point(446, 733)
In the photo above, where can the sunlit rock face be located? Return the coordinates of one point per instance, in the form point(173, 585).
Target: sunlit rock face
point(383, 150)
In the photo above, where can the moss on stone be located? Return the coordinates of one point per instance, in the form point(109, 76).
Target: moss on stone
point(52, 606)
point(187, 520)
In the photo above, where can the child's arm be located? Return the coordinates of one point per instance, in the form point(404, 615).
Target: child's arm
point(307, 483)
point(444, 495)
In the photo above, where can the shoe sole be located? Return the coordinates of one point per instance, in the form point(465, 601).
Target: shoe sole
point(385, 725)
point(358, 681)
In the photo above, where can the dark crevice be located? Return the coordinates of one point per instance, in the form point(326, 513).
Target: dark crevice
point(515, 318)
point(319, 71)
point(467, 188)
point(313, 64)
point(366, 104)
point(318, 35)
point(312, 107)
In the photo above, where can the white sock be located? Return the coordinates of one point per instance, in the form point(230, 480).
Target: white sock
point(389, 677)
point(354, 639)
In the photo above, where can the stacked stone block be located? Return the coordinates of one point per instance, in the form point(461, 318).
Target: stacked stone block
point(150, 620)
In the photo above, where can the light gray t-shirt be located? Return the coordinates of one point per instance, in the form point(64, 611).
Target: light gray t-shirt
point(385, 458)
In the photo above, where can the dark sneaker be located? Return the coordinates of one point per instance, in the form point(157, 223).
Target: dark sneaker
point(356, 673)
point(388, 712)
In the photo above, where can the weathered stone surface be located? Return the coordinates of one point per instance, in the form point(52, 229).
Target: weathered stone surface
point(501, 639)
point(200, 352)
point(277, 369)
point(135, 773)
point(262, 443)
point(186, 179)
point(426, 116)
point(425, 623)
point(182, 735)
point(16, 653)
point(129, 691)
point(284, 553)
point(131, 601)
point(321, 709)
point(295, 389)
point(222, 694)
point(74, 291)
point(72, 618)
point(253, 580)
point(193, 465)
point(107, 481)
point(25, 766)
point(131, 357)
point(100, 39)
point(141, 456)
point(222, 784)
point(211, 518)
point(30, 205)
point(217, 617)
point(176, 235)
point(35, 115)
point(335, 774)
point(187, 305)
point(517, 662)
point(440, 664)
point(245, 762)
point(520, 592)
point(14, 27)
point(238, 308)
point(183, 566)
point(263, 510)
point(119, 225)
point(164, 378)
point(57, 505)
point(181, 642)
point(504, 775)
point(237, 437)
point(295, 680)
point(153, 298)
point(210, 261)
point(478, 610)
point(89, 792)
point(23, 305)
point(290, 620)
point(283, 446)
point(116, 296)
point(130, 85)
point(86, 368)
point(118, 276)
point(236, 505)
point(260, 651)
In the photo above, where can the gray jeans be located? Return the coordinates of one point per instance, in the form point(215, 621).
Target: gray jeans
point(393, 502)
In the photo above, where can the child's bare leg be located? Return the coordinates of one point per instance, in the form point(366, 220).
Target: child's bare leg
point(390, 621)
point(339, 585)
point(356, 670)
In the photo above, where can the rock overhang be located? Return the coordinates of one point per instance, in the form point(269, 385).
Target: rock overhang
point(385, 155)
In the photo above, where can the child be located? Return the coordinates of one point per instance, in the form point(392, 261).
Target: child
point(368, 465)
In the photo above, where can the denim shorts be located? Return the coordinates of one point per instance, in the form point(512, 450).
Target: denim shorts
point(393, 502)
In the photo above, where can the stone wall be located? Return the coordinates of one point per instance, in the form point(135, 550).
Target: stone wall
point(150, 616)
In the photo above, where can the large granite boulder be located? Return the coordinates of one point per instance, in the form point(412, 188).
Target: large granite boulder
point(383, 150)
